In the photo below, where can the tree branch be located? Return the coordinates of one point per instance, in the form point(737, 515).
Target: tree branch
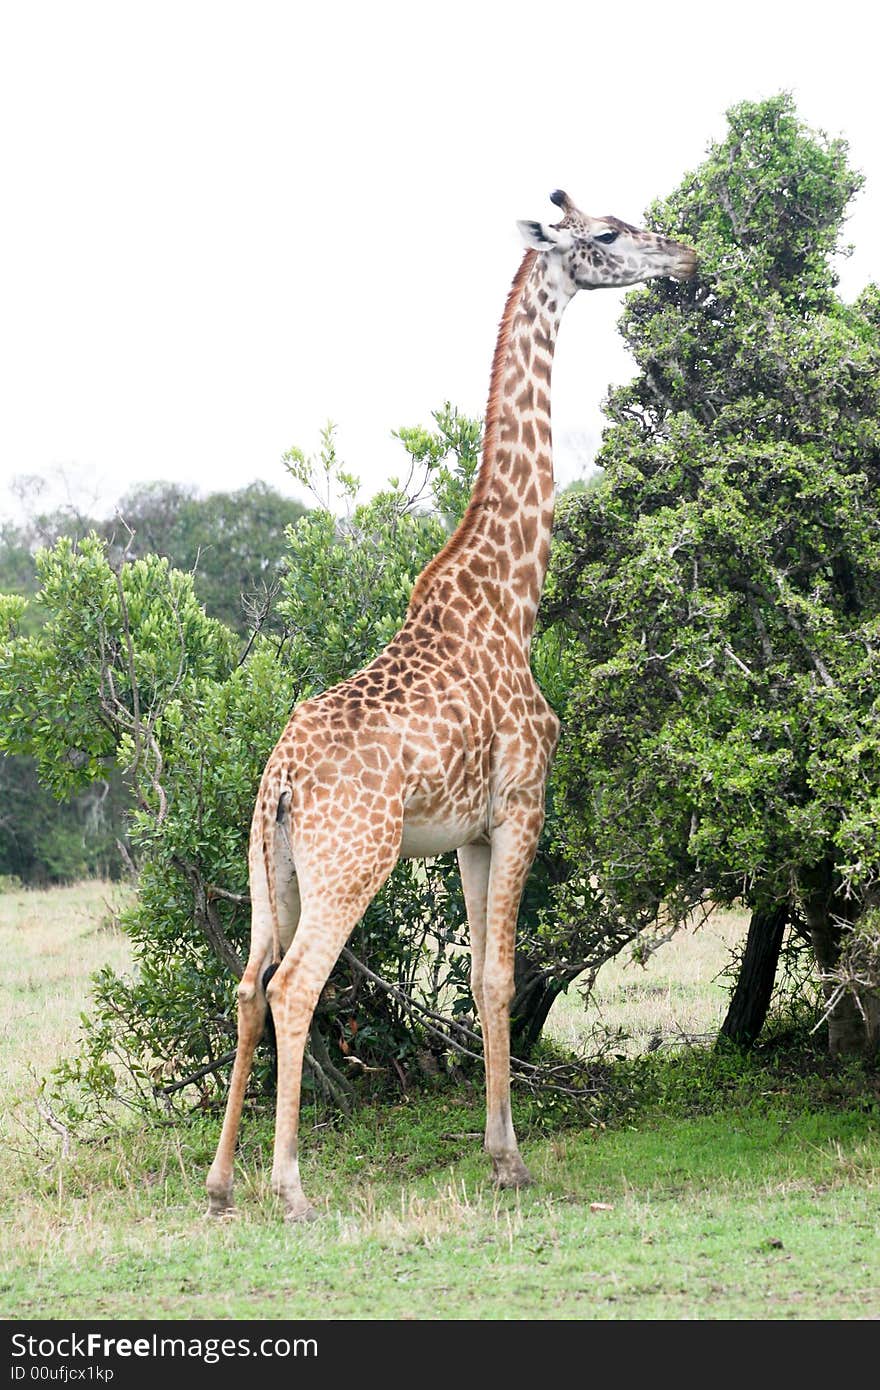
point(206, 918)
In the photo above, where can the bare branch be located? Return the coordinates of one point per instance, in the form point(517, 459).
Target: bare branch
point(207, 920)
point(140, 735)
point(243, 899)
point(763, 636)
point(53, 1122)
point(221, 1062)
point(731, 654)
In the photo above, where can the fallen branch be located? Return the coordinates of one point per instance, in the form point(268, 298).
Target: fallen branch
point(223, 1061)
point(523, 1071)
point(53, 1122)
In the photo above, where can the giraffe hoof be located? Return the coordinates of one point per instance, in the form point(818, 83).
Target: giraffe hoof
point(511, 1172)
point(301, 1211)
point(220, 1208)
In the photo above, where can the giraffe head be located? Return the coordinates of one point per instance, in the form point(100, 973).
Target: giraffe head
point(598, 252)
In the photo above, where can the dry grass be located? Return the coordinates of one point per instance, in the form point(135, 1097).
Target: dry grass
point(50, 944)
point(678, 995)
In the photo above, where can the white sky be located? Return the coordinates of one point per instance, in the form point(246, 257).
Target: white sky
point(224, 224)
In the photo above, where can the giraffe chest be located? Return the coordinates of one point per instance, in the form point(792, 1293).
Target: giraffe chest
point(426, 835)
point(446, 806)
point(460, 769)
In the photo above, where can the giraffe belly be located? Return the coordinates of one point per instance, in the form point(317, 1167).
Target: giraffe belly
point(425, 837)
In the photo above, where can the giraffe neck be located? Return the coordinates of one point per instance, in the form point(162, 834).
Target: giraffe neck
point(497, 556)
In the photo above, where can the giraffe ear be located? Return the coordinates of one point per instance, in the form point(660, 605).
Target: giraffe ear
point(542, 237)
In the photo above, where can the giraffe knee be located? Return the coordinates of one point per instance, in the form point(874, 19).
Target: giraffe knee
point(497, 988)
point(252, 989)
point(251, 1005)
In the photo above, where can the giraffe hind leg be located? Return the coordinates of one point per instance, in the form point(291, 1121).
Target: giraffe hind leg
point(253, 1016)
point(330, 910)
point(251, 1021)
point(293, 994)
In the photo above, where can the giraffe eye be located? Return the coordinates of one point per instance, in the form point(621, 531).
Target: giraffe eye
point(606, 238)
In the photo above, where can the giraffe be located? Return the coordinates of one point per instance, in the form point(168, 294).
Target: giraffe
point(444, 741)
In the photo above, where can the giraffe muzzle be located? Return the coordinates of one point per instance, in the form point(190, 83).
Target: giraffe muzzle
point(686, 267)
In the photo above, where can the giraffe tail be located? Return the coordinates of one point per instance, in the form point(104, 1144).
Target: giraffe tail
point(281, 804)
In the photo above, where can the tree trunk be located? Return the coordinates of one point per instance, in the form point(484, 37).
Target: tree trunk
point(757, 975)
point(854, 1022)
point(534, 996)
point(871, 1005)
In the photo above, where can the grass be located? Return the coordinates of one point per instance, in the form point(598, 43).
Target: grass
point(697, 1185)
point(679, 994)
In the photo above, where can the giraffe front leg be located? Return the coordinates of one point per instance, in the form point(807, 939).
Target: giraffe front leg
point(473, 866)
point(514, 842)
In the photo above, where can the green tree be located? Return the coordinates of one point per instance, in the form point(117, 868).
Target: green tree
point(44, 841)
point(723, 585)
point(17, 572)
point(233, 543)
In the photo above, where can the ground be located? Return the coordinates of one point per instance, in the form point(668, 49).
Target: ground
point(728, 1189)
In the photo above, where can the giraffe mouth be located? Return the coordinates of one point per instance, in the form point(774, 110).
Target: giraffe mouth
point(686, 267)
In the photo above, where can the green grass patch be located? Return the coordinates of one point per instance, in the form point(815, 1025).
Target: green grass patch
point(690, 1184)
point(764, 1211)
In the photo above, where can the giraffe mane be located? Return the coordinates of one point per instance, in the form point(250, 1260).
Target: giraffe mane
point(465, 527)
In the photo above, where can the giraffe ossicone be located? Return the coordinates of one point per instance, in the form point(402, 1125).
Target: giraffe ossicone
point(442, 742)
